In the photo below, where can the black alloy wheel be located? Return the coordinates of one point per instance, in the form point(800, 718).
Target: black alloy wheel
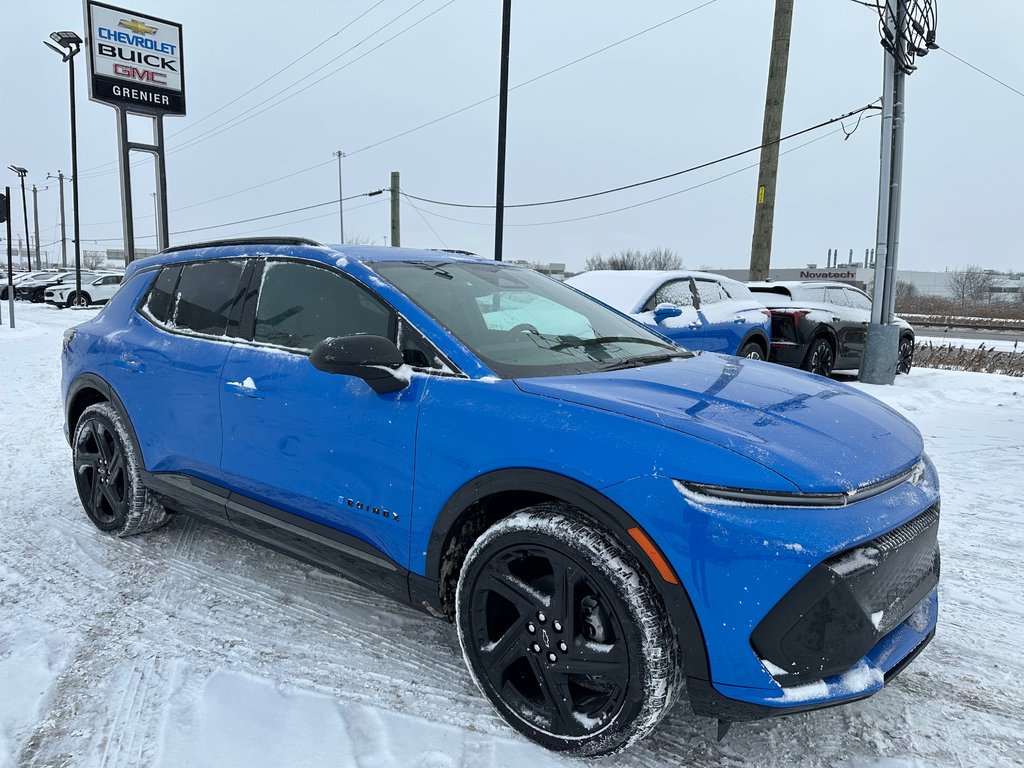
point(38, 296)
point(100, 472)
point(905, 358)
point(107, 475)
point(751, 350)
point(573, 650)
point(820, 357)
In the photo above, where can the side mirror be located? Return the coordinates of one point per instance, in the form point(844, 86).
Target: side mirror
point(665, 310)
point(373, 359)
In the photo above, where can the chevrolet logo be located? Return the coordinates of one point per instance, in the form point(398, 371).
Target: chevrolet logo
point(138, 27)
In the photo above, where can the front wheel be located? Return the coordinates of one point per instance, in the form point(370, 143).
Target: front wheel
point(905, 357)
point(78, 300)
point(751, 350)
point(820, 357)
point(564, 633)
point(107, 475)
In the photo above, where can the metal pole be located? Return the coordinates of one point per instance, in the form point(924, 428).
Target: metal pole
point(341, 214)
point(28, 242)
point(499, 195)
point(884, 182)
point(10, 264)
point(163, 227)
point(895, 205)
point(396, 225)
point(74, 181)
point(63, 224)
point(35, 218)
point(764, 210)
point(124, 156)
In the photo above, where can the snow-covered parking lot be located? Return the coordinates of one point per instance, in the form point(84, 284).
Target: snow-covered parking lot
point(191, 647)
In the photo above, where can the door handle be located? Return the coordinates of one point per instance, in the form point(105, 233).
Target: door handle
point(738, 320)
point(244, 389)
point(130, 364)
point(693, 326)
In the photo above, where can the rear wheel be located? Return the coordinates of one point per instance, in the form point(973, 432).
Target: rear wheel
point(107, 475)
point(905, 357)
point(753, 350)
point(38, 296)
point(564, 633)
point(820, 357)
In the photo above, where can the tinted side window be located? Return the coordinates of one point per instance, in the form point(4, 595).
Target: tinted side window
point(206, 292)
point(158, 303)
point(300, 305)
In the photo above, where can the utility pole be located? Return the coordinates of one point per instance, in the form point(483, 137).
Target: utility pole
point(341, 214)
point(908, 32)
point(63, 224)
point(35, 216)
point(22, 173)
point(764, 211)
point(396, 225)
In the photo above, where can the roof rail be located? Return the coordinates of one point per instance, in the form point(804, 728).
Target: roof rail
point(244, 241)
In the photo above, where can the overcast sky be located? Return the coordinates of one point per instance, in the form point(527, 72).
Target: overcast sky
point(689, 91)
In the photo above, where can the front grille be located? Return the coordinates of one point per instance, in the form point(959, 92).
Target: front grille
point(842, 608)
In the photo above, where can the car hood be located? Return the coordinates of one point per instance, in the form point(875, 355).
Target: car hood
point(821, 435)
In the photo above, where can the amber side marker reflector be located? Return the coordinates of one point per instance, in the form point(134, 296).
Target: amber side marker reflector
point(656, 557)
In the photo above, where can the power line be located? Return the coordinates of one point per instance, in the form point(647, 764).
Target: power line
point(641, 203)
point(981, 71)
point(254, 218)
point(423, 218)
point(534, 79)
point(645, 182)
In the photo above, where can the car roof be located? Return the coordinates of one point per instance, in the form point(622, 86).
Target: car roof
point(301, 248)
point(626, 290)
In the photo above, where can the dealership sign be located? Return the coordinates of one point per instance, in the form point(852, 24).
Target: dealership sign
point(135, 60)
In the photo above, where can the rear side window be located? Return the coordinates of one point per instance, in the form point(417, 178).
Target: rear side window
point(206, 292)
point(158, 302)
point(710, 292)
point(301, 305)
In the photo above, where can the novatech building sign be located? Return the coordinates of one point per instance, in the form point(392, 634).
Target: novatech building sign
point(135, 61)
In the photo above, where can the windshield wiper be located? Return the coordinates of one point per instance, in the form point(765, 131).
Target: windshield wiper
point(640, 362)
point(600, 341)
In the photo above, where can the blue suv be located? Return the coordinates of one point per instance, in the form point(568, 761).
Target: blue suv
point(608, 519)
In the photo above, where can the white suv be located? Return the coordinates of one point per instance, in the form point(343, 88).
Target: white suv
point(96, 289)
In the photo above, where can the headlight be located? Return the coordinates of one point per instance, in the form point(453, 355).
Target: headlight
point(760, 498)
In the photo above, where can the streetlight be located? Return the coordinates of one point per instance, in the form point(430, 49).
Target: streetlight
point(72, 44)
point(22, 173)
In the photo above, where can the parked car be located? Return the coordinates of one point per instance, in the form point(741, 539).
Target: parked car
point(18, 279)
point(701, 311)
point(822, 326)
point(96, 289)
point(609, 520)
point(34, 289)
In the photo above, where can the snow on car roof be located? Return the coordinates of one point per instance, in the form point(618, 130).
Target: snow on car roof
point(626, 290)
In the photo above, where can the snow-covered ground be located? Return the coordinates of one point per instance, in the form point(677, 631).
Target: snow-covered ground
point(191, 647)
point(997, 344)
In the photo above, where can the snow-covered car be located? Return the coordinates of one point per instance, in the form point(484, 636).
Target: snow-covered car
point(823, 326)
point(96, 289)
point(609, 520)
point(701, 311)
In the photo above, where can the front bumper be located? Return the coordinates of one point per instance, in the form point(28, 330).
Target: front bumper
point(741, 565)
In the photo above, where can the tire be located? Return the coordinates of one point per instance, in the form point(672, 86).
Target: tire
point(820, 357)
point(752, 350)
point(905, 356)
point(79, 299)
point(585, 670)
point(107, 475)
point(38, 296)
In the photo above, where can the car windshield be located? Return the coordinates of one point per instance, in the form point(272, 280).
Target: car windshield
point(521, 323)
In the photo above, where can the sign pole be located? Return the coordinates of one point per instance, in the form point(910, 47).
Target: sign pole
point(124, 163)
point(10, 264)
point(160, 163)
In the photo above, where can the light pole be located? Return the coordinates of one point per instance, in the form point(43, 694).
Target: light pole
point(499, 195)
point(72, 44)
point(63, 226)
point(341, 215)
point(22, 173)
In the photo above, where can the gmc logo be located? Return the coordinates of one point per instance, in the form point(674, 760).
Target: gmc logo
point(145, 75)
